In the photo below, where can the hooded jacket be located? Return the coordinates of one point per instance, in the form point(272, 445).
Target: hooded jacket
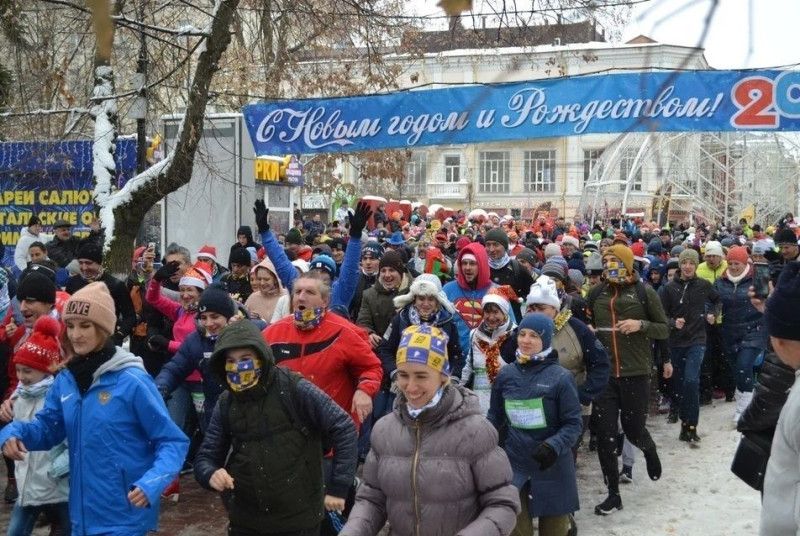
point(268, 484)
point(248, 232)
point(265, 305)
point(377, 308)
point(742, 324)
point(120, 436)
point(21, 257)
point(466, 298)
point(691, 300)
point(442, 473)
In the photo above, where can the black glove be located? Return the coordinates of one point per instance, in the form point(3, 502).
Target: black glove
point(358, 220)
point(167, 271)
point(546, 456)
point(158, 343)
point(262, 216)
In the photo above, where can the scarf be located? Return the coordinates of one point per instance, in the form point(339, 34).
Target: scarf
point(84, 367)
point(243, 375)
point(499, 263)
point(191, 308)
point(525, 358)
point(309, 318)
point(95, 278)
point(616, 273)
point(415, 413)
point(37, 390)
point(737, 279)
point(492, 352)
point(417, 319)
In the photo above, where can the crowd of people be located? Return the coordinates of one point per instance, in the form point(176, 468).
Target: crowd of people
point(462, 361)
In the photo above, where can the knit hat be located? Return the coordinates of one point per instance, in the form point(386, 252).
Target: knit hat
point(426, 345)
point(590, 246)
point(623, 253)
point(556, 267)
point(785, 237)
point(577, 265)
point(322, 249)
point(738, 253)
point(570, 240)
point(544, 291)
point(90, 251)
point(496, 234)
point(73, 267)
point(424, 285)
point(337, 243)
point(216, 300)
point(393, 260)
point(324, 263)
point(673, 262)
point(93, 303)
point(462, 242)
point(541, 325)
point(293, 236)
point(761, 247)
point(552, 250)
point(35, 267)
point(594, 265)
point(240, 256)
point(655, 246)
point(501, 296)
point(207, 252)
point(688, 254)
point(527, 255)
point(576, 278)
point(714, 248)
point(372, 249)
point(782, 315)
point(37, 287)
point(41, 350)
point(676, 250)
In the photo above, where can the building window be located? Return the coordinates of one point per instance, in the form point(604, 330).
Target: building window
point(590, 158)
point(540, 171)
point(494, 172)
point(452, 169)
point(416, 172)
point(625, 168)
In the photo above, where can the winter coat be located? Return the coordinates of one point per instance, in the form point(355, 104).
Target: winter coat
point(335, 356)
point(62, 252)
point(277, 467)
point(21, 257)
point(120, 436)
point(442, 473)
point(630, 354)
point(742, 324)
point(475, 366)
point(126, 314)
point(364, 282)
point(517, 277)
point(238, 287)
point(769, 396)
point(377, 308)
point(258, 302)
point(554, 491)
point(781, 482)
point(691, 300)
point(387, 349)
point(35, 485)
point(466, 298)
point(248, 232)
point(344, 287)
point(183, 319)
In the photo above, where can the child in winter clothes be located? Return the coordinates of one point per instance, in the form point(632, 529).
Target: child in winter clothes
point(535, 407)
point(487, 341)
point(39, 488)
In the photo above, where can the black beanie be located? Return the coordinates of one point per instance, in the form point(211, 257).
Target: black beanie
point(496, 234)
point(91, 251)
point(215, 300)
point(37, 287)
point(393, 260)
point(785, 236)
point(240, 256)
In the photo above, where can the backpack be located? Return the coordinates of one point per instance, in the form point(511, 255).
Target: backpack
point(595, 291)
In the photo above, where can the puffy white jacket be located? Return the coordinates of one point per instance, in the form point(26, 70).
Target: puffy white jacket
point(21, 257)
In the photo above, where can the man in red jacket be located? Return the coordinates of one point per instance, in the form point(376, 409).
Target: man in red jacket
point(326, 349)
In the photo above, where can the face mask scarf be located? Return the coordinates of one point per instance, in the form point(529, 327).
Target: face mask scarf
point(243, 375)
point(308, 318)
point(615, 272)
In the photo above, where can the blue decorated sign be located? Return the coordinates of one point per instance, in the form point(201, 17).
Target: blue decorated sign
point(679, 101)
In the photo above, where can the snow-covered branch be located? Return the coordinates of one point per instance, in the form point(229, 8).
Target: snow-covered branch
point(187, 30)
point(44, 112)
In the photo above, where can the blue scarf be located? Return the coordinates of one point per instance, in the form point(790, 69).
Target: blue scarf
point(37, 390)
point(415, 413)
point(499, 263)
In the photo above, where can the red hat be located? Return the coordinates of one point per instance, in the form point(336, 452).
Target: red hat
point(208, 252)
point(41, 350)
point(738, 253)
point(138, 253)
point(462, 242)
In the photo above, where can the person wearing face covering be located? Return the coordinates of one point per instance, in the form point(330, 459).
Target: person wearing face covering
point(264, 445)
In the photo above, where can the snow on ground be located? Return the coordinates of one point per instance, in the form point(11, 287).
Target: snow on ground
point(697, 493)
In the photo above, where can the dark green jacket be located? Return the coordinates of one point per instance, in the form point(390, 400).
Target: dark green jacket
point(630, 354)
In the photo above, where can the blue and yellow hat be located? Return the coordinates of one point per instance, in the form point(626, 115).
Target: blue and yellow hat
point(426, 345)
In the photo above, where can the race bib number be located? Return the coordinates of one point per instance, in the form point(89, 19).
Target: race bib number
point(481, 381)
point(526, 414)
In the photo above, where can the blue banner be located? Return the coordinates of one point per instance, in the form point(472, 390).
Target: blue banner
point(675, 101)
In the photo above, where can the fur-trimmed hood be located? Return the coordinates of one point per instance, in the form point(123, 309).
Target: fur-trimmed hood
point(425, 285)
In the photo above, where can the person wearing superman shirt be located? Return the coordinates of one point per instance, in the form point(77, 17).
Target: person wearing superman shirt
point(470, 286)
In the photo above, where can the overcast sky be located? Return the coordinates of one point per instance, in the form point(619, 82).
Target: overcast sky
point(743, 33)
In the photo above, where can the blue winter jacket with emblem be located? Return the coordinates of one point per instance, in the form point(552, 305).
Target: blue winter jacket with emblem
point(554, 491)
point(742, 324)
point(120, 438)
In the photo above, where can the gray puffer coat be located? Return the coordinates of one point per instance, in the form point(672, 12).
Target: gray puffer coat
point(439, 475)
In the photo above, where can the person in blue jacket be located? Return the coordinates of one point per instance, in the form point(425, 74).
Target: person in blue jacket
point(343, 289)
point(124, 449)
point(535, 408)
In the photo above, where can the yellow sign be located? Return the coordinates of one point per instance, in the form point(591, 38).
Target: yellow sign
point(748, 214)
point(270, 170)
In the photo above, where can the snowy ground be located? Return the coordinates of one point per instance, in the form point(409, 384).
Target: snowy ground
point(697, 494)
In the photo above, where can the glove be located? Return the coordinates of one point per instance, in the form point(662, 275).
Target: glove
point(546, 456)
point(167, 271)
point(358, 220)
point(158, 343)
point(262, 216)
